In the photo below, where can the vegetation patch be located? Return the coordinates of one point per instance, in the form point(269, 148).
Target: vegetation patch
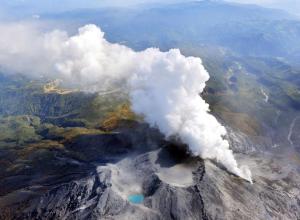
point(112, 119)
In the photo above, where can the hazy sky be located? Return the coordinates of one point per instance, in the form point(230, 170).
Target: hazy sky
point(50, 5)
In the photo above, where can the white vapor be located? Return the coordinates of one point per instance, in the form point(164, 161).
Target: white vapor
point(163, 86)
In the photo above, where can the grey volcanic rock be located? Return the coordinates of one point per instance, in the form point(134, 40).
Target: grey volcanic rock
point(95, 197)
point(179, 202)
point(174, 185)
point(274, 195)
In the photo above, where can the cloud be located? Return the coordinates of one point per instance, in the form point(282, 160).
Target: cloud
point(164, 87)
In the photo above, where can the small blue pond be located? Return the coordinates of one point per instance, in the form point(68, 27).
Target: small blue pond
point(136, 198)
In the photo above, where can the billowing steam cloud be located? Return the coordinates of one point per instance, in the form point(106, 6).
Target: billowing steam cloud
point(163, 86)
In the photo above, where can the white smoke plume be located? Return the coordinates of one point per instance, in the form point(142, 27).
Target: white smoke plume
point(163, 86)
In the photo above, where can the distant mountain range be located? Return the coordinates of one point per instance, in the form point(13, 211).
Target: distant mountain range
point(244, 29)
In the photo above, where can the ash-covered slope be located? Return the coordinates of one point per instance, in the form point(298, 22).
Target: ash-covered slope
point(122, 164)
point(136, 160)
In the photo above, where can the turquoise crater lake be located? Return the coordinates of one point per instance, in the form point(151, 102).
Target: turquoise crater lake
point(136, 198)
